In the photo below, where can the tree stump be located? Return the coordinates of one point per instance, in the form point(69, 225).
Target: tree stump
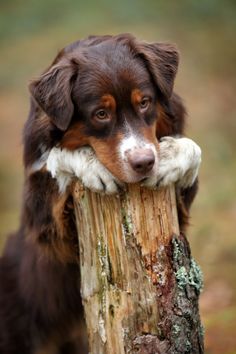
point(139, 283)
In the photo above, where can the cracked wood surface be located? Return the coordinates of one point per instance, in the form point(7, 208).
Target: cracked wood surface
point(128, 283)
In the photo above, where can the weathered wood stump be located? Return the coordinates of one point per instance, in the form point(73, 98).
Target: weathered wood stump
point(139, 283)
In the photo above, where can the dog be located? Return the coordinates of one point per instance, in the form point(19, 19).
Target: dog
point(104, 112)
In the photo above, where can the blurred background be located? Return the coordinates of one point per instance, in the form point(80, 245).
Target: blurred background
point(31, 33)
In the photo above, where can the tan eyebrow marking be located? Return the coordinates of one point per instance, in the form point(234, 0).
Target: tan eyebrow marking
point(109, 102)
point(136, 96)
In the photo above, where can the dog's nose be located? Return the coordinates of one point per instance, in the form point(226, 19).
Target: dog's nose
point(141, 160)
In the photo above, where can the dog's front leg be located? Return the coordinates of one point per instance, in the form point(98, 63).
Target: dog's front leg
point(179, 161)
point(83, 164)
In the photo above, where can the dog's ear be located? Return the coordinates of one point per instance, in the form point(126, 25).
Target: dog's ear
point(52, 91)
point(162, 61)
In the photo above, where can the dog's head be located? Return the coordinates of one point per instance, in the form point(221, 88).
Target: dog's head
point(109, 92)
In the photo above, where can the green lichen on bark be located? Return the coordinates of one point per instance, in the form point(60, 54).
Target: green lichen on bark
point(195, 276)
point(102, 271)
point(126, 223)
point(187, 332)
point(192, 276)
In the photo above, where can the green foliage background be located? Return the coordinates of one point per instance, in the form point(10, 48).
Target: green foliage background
point(32, 31)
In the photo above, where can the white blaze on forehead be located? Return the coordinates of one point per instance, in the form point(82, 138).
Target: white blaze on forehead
point(132, 142)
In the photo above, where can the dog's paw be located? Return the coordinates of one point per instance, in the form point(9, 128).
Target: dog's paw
point(93, 174)
point(83, 164)
point(179, 161)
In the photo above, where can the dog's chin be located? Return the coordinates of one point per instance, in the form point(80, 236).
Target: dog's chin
point(134, 177)
point(125, 174)
point(130, 176)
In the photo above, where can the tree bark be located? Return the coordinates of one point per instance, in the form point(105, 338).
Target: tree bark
point(139, 283)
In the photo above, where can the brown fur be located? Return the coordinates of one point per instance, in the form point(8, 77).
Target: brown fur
point(109, 102)
point(136, 96)
point(40, 304)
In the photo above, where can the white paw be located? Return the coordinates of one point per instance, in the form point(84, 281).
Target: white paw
point(83, 164)
point(179, 161)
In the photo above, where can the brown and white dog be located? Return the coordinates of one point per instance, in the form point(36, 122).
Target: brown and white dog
point(104, 112)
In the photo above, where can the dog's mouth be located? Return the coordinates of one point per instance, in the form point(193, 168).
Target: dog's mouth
point(129, 177)
point(125, 174)
point(143, 179)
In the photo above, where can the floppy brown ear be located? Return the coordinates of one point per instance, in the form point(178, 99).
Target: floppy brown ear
point(162, 61)
point(52, 91)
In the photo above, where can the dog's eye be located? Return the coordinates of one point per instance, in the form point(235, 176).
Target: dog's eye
point(144, 103)
point(102, 114)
